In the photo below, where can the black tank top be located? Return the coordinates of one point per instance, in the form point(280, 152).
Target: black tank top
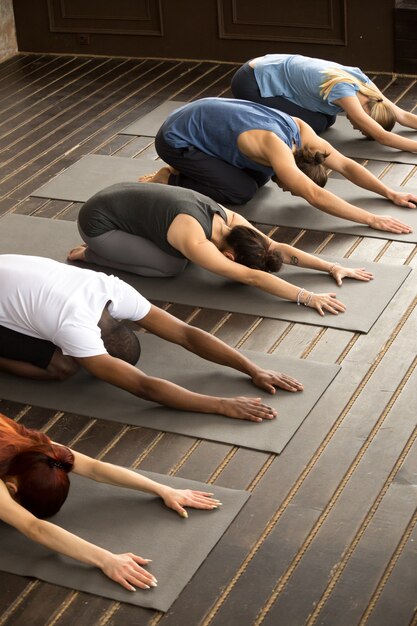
point(146, 210)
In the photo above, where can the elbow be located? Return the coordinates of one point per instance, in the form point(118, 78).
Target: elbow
point(314, 196)
point(94, 469)
point(254, 278)
point(381, 136)
point(287, 252)
point(36, 530)
point(148, 389)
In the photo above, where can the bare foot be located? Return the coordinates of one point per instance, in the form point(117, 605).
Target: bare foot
point(78, 253)
point(161, 176)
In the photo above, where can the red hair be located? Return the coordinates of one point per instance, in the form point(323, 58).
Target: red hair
point(40, 467)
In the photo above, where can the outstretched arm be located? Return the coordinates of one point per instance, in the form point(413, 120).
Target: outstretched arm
point(124, 569)
point(364, 123)
point(212, 349)
point(266, 146)
point(130, 378)
point(175, 499)
point(294, 256)
point(188, 237)
point(405, 118)
point(356, 173)
point(362, 177)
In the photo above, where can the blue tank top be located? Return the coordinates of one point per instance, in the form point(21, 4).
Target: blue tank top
point(213, 125)
point(299, 79)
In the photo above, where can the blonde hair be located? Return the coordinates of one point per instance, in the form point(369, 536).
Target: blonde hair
point(379, 110)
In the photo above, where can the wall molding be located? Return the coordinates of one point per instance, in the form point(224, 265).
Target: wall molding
point(124, 17)
point(321, 21)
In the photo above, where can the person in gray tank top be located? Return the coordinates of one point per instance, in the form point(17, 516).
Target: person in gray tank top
point(154, 230)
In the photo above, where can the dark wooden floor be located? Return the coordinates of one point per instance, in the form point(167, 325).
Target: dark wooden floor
point(329, 535)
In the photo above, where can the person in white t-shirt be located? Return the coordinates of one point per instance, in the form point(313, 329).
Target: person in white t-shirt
point(55, 318)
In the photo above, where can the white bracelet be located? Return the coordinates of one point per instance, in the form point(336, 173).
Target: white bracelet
point(300, 293)
point(308, 299)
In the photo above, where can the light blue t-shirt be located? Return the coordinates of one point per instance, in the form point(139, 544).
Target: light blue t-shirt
point(299, 79)
point(213, 125)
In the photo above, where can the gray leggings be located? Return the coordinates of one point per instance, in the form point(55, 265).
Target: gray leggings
point(131, 253)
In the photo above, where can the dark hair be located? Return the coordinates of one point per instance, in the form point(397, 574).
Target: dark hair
point(311, 164)
point(252, 249)
point(40, 466)
point(119, 340)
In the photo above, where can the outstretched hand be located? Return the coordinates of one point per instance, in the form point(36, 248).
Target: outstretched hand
point(389, 224)
point(323, 302)
point(339, 272)
point(408, 200)
point(269, 380)
point(177, 499)
point(242, 408)
point(126, 570)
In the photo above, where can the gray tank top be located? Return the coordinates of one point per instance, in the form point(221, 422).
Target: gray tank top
point(146, 210)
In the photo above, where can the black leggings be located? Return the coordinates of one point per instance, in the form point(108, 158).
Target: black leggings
point(209, 175)
point(20, 347)
point(245, 87)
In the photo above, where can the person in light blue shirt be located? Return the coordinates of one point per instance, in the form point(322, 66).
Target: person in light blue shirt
point(226, 149)
point(316, 91)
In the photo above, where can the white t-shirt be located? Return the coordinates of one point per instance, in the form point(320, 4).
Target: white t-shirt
point(63, 303)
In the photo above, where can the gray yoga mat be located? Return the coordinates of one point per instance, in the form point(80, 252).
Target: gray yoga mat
point(197, 287)
point(123, 520)
point(149, 124)
point(93, 173)
point(352, 143)
point(272, 206)
point(85, 395)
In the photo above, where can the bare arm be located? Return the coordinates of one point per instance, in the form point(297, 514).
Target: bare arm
point(24, 370)
point(131, 379)
point(187, 238)
point(294, 256)
point(60, 367)
point(353, 171)
point(124, 569)
point(363, 122)
point(362, 177)
point(175, 499)
point(405, 118)
point(212, 349)
point(266, 146)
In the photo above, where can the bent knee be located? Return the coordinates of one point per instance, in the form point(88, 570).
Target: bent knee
point(240, 192)
point(241, 196)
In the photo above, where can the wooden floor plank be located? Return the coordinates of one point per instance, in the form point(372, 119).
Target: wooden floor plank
point(44, 104)
point(35, 97)
point(336, 487)
point(32, 67)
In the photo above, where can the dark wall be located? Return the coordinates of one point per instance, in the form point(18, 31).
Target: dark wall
point(405, 36)
point(357, 32)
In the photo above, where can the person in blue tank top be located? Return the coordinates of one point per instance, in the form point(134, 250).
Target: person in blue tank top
point(226, 149)
point(316, 91)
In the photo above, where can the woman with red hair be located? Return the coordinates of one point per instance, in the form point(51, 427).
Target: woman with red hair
point(34, 484)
